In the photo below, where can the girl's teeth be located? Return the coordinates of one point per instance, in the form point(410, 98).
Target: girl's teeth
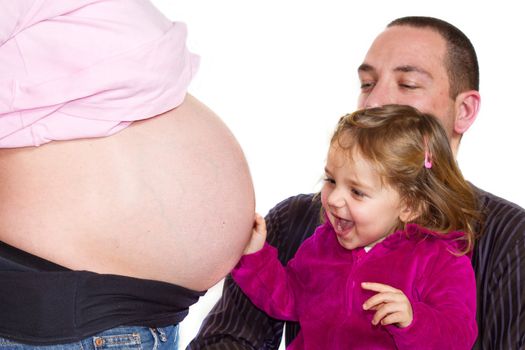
point(343, 224)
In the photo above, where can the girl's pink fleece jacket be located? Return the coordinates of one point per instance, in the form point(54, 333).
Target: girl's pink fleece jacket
point(321, 289)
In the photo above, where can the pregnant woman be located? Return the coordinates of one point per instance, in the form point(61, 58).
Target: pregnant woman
point(122, 197)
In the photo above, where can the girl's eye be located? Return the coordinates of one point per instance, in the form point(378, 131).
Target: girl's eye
point(357, 193)
point(329, 180)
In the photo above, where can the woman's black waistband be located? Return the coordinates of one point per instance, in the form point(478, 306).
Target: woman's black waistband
point(44, 303)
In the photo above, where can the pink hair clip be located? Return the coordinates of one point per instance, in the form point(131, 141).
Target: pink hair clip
point(428, 155)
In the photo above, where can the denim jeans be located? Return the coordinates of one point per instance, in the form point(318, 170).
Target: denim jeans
point(120, 338)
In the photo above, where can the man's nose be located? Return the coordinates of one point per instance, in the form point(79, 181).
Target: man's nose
point(380, 95)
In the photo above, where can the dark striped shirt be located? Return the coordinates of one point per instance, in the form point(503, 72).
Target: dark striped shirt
point(498, 260)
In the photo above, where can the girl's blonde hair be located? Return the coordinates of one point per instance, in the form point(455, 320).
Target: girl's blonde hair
point(398, 140)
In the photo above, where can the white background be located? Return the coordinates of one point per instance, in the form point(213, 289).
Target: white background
point(281, 72)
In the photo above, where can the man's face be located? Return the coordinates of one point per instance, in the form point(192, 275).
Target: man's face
point(406, 65)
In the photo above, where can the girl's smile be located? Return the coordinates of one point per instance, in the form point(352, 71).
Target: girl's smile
point(341, 226)
point(362, 209)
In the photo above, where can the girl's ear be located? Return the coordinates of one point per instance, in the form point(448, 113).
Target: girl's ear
point(409, 212)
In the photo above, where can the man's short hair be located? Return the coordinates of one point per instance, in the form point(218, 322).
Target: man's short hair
point(461, 61)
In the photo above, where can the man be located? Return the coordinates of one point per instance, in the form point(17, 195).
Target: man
point(431, 65)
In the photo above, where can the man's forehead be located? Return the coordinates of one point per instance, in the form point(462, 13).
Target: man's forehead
point(405, 49)
point(404, 36)
point(403, 68)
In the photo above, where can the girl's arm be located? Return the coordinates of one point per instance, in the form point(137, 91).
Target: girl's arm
point(262, 277)
point(234, 322)
point(258, 237)
point(391, 305)
point(444, 317)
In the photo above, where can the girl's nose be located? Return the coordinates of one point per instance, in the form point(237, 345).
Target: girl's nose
point(336, 199)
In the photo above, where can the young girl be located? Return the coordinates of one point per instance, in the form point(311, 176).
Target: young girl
point(388, 268)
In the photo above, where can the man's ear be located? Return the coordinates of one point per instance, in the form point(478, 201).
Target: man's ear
point(467, 107)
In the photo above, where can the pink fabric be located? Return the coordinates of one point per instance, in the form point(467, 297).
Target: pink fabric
point(86, 68)
point(320, 288)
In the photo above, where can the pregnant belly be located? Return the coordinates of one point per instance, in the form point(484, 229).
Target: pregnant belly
point(169, 198)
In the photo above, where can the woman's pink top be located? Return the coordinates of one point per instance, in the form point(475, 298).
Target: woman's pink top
point(321, 289)
point(74, 69)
